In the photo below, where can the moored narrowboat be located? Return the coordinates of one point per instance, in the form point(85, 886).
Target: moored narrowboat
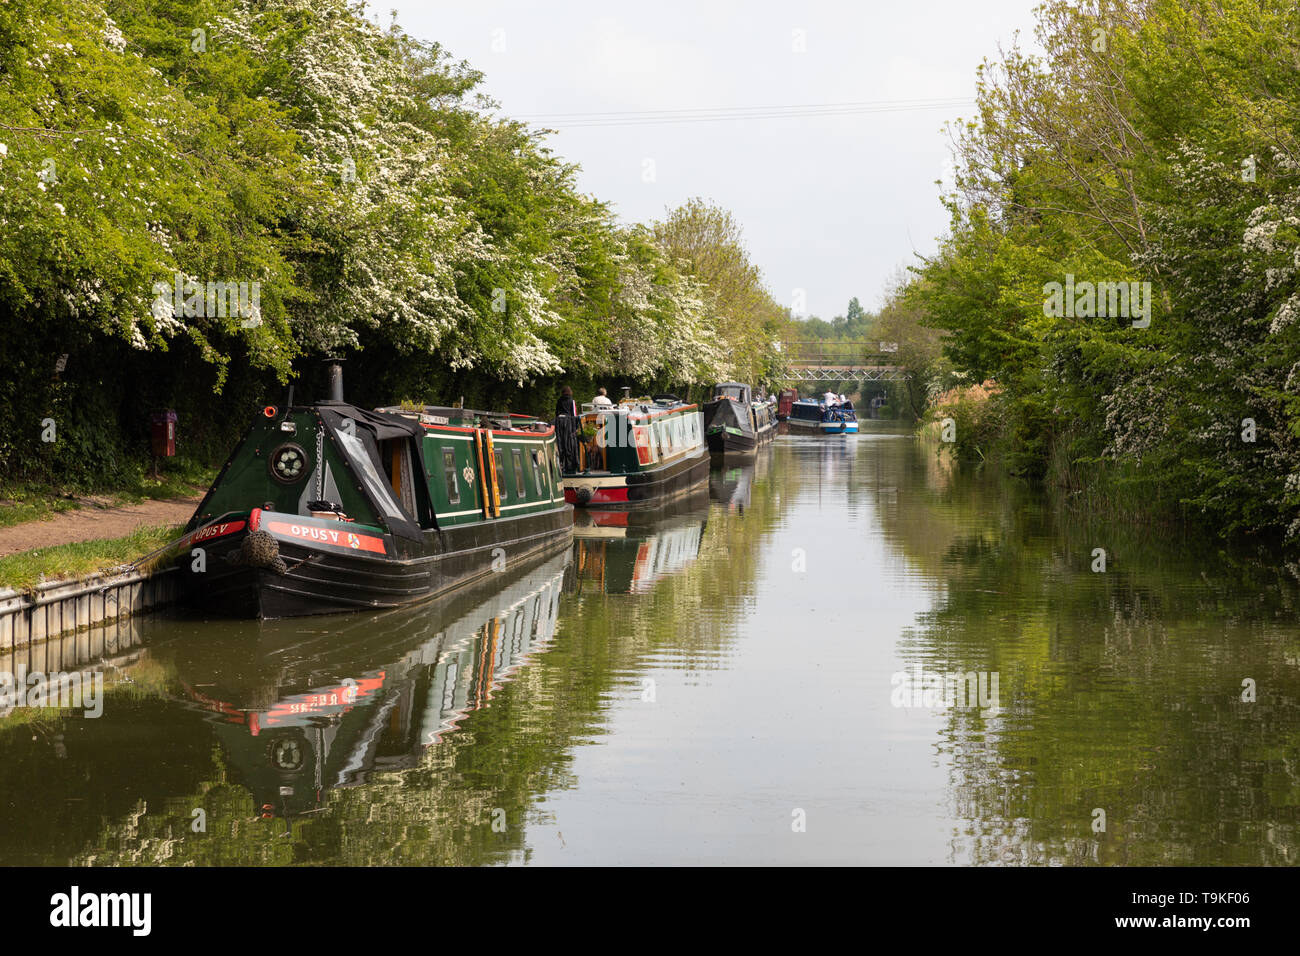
point(784, 400)
point(640, 450)
point(329, 507)
point(834, 418)
point(735, 424)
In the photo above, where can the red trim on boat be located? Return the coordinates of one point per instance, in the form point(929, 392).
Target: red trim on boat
point(215, 531)
point(342, 538)
point(598, 495)
point(254, 519)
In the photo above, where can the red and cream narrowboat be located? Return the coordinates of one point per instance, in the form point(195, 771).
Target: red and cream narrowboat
point(637, 451)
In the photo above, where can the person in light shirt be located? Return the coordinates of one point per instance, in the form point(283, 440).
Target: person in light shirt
point(601, 399)
point(828, 398)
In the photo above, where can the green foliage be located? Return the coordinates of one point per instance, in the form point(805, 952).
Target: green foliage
point(1152, 142)
point(352, 175)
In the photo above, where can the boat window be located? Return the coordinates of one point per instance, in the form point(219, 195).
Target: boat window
point(380, 491)
point(537, 470)
point(518, 457)
point(501, 470)
point(667, 428)
point(449, 473)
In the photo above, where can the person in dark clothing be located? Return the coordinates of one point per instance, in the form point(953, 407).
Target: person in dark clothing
point(566, 405)
point(566, 430)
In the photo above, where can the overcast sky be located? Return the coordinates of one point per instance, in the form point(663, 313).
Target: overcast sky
point(831, 205)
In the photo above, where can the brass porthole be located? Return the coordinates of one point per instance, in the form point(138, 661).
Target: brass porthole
point(288, 463)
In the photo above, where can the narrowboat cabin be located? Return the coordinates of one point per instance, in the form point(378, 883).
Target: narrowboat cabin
point(735, 424)
point(640, 450)
point(329, 507)
point(808, 414)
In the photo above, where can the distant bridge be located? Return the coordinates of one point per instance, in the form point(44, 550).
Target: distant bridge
point(832, 362)
point(820, 372)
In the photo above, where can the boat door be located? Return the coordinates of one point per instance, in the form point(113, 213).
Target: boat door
point(487, 469)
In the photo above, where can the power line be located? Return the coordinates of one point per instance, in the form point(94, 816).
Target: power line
point(707, 109)
point(735, 113)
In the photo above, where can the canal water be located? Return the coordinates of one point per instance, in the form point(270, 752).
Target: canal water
point(845, 652)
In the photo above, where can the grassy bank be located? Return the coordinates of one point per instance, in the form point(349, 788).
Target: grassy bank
point(32, 501)
point(71, 561)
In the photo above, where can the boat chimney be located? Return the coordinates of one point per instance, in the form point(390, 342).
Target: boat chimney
point(627, 392)
point(334, 376)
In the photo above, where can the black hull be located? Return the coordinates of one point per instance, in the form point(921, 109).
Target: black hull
point(320, 582)
point(727, 445)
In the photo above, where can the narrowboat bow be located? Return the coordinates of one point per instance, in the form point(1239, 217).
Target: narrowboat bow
point(735, 424)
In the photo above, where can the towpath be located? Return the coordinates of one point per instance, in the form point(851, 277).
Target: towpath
point(93, 523)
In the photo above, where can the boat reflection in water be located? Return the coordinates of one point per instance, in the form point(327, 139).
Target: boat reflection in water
point(301, 710)
point(733, 484)
point(628, 552)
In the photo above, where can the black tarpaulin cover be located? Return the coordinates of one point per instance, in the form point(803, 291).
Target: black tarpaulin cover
point(728, 414)
point(357, 432)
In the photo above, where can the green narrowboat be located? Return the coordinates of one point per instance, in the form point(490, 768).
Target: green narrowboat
point(329, 507)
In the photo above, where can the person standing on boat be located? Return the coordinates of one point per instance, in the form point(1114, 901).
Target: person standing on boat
point(601, 400)
point(829, 398)
point(566, 429)
point(566, 405)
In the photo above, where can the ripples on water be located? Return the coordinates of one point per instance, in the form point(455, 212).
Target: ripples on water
point(688, 685)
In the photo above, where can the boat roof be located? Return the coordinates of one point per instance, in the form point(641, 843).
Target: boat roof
point(659, 403)
point(465, 417)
